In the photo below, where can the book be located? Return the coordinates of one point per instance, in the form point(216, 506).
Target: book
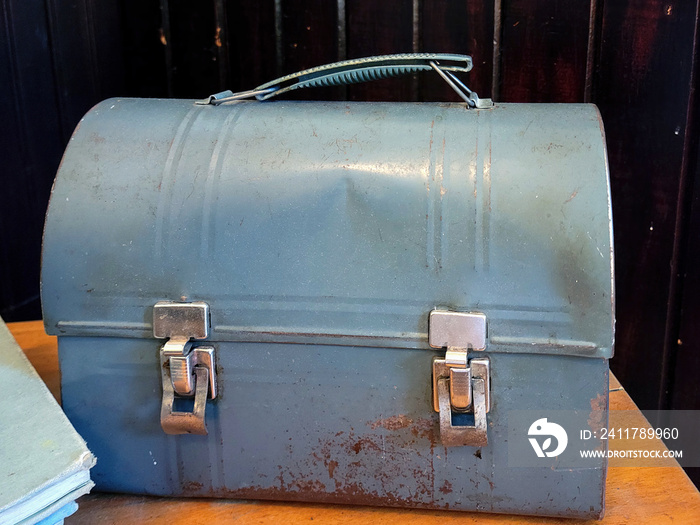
point(44, 463)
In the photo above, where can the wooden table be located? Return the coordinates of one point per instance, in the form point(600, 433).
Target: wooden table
point(655, 495)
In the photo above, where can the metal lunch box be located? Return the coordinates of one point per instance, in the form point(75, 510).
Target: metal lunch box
point(334, 302)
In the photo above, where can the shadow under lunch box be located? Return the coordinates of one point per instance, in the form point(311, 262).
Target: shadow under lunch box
point(392, 304)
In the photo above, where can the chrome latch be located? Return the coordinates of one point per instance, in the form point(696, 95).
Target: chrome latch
point(186, 372)
point(460, 384)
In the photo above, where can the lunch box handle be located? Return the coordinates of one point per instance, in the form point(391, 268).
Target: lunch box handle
point(366, 69)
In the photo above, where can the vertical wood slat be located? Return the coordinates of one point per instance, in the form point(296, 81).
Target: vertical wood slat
point(279, 51)
point(252, 43)
point(167, 41)
point(684, 368)
point(496, 56)
point(682, 384)
point(342, 42)
point(342, 31)
point(221, 42)
point(417, 40)
point(593, 31)
point(69, 42)
point(77, 50)
point(645, 118)
point(104, 25)
point(680, 387)
point(544, 45)
point(416, 44)
point(194, 49)
point(146, 64)
point(458, 27)
point(310, 38)
point(681, 378)
point(378, 28)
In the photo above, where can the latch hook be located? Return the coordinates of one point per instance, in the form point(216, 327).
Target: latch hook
point(185, 371)
point(460, 384)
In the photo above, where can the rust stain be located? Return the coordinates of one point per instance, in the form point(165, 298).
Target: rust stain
point(571, 197)
point(350, 457)
point(163, 40)
point(364, 443)
point(597, 419)
point(640, 44)
point(304, 485)
point(426, 428)
point(446, 487)
point(380, 459)
point(599, 405)
point(217, 37)
point(332, 465)
point(392, 423)
point(191, 486)
point(351, 493)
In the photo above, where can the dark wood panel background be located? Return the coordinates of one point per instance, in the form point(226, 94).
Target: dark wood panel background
point(635, 59)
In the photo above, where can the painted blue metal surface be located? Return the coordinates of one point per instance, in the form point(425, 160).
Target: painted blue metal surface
point(322, 235)
point(329, 424)
point(305, 222)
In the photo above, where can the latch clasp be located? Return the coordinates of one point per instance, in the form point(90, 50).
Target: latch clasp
point(460, 384)
point(185, 371)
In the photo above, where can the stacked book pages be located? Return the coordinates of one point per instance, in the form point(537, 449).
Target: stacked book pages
point(44, 463)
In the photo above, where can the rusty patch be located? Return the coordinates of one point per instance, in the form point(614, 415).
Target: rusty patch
point(385, 483)
point(191, 486)
point(306, 485)
point(599, 406)
point(349, 457)
point(364, 443)
point(364, 469)
point(571, 197)
point(331, 468)
point(352, 493)
point(392, 423)
point(597, 419)
point(425, 428)
point(446, 487)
